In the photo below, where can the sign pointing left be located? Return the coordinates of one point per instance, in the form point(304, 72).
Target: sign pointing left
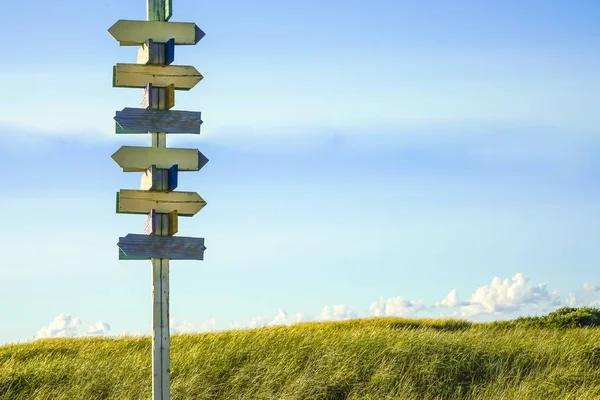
point(135, 33)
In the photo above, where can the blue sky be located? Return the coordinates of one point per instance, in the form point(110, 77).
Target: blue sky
point(366, 158)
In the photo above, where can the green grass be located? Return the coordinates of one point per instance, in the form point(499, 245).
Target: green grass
point(383, 358)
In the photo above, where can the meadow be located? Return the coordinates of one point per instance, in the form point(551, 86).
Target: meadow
point(556, 356)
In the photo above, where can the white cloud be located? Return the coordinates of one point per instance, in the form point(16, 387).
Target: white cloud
point(65, 325)
point(282, 318)
point(595, 303)
point(450, 301)
point(191, 327)
point(499, 297)
point(395, 307)
point(504, 296)
point(590, 287)
point(571, 300)
point(338, 312)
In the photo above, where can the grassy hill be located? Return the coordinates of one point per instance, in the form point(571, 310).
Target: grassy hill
point(551, 357)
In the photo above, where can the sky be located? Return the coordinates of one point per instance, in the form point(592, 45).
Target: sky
point(383, 158)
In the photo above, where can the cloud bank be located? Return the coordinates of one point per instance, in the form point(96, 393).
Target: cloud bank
point(499, 298)
point(65, 325)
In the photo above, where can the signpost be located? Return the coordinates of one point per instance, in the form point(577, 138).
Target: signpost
point(159, 165)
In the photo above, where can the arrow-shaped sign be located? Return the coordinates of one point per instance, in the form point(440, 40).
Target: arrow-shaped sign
point(134, 33)
point(183, 77)
point(171, 247)
point(139, 159)
point(186, 204)
point(150, 120)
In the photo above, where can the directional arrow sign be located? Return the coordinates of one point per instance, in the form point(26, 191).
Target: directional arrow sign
point(171, 247)
point(139, 159)
point(150, 120)
point(186, 204)
point(134, 33)
point(139, 75)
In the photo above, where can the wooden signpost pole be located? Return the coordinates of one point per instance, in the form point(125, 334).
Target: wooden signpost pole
point(161, 369)
point(160, 165)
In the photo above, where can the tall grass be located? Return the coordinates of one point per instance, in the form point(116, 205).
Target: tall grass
point(384, 358)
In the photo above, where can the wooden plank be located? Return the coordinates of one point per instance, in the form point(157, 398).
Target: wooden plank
point(173, 223)
point(139, 159)
point(125, 257)
point(156, 10)
point(160, 332)
point(149, 97)
point(171, 247)
point(169, 51)
point(186, 204)
point(151, 120)
point(168, 9)
point(154, 226)
point(160, 10)
point(183, 77)
point(172, 178)
point(169, 97)
point(154, 178)
point(135, 33)
point(119, 130)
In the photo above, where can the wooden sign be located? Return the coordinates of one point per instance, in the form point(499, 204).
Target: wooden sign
point(171, 247)
point(139, 159)
point(125, 257)
point(159, 10)
point(153, 52)
point(154, 179)
point(186, 204)
point(139, 75)
point(155, 224)
point(153, 97)
point(151, 120)
point(160, 165)
point(135, 33)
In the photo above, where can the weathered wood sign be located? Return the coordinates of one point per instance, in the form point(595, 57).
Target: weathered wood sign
point(135, 33)
point(150, 120)
point(171, 247)
point(158, 164)
point(139, 159)
point(139, 75)
point(186, 204)
point(159, 10)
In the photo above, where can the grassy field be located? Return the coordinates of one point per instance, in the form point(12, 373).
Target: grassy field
point(551, 357)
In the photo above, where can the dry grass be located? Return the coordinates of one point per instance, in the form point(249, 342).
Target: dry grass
point(385, 358)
